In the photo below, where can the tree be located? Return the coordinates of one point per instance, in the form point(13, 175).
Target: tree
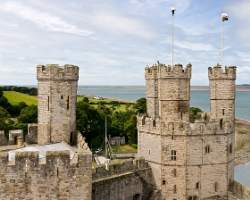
point(194, 113)
point(90, 124)
point(140, 105)
point(28, 115)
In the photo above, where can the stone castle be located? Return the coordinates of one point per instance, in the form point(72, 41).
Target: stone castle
point(189, 161)
point(177, 159)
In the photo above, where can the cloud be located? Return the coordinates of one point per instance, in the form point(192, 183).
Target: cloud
point(240, 13)
point(44, 20)
point(181, 5)
point(122, 25)
point(195, 46)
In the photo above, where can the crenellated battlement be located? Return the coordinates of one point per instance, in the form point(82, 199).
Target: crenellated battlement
point(167, 71)
point(208, 126)
point(57, 72)
point(24, 159)
point(219, 72)
point(151, 72)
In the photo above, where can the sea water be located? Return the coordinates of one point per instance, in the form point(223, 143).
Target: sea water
point(199, 98)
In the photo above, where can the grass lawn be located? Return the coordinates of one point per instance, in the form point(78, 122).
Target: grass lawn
point(126, 148)
point(16, 97)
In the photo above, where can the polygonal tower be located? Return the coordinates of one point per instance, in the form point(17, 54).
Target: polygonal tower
point(222, 103)
point(222, 92)
point(152, 91)
point(189, 160)
point(161, 138)
point(57, 93)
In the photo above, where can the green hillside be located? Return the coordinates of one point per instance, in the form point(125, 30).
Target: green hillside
point(16, 97)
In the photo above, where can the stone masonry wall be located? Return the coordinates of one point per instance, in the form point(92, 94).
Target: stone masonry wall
point(55, 178)
point(129, 180)
point(57, 93)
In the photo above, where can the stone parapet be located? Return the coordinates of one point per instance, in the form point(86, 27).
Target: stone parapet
point(167, 71)
point(57, 72)
point(26, 159)
point(218, 72)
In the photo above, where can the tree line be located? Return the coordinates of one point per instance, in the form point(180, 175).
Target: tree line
point(26, 90)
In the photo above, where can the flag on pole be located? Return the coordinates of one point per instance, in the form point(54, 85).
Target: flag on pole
point(224, 17)
point(173, 10)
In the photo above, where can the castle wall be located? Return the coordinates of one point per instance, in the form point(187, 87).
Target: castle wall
point(57, 177)
point(127, 180)
point(57, 93)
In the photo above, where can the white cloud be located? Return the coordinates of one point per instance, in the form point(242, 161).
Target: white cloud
point(181, 5)
point(121, 24)
point(240, 12)
point(42, 19)
point(195, 46)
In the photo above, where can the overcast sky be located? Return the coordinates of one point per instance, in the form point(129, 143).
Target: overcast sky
point(113, 40)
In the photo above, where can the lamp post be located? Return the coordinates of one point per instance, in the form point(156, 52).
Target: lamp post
point(224, 18)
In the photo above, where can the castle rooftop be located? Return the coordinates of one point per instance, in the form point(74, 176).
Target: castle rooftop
point(43, 149)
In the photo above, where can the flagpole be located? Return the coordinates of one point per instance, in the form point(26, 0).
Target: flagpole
point(224, 17)
point(172, 46)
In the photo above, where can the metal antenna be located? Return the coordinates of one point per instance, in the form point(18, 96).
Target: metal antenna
point(106, 137)
point(224, 17)
point(172, 48)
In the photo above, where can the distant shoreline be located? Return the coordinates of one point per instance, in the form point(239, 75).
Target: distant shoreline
point(239, 88)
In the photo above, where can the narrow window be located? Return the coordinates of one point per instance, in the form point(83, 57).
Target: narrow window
point(163, 182)
point(215, 186)
point(231, 148)
point(57, 172)
point(71, 138)
point(221, 123)
point(223, 111)
point(154, 123)
point(149, 152)
point(175, 189)
point(173, 155)
point(174, 172)
point(181, 115)
point(61, 96)
point(68, 103)
point(207, 149)
point(197, 185)
point(48, 102)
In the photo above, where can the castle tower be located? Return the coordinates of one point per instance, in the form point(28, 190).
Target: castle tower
point(222, 92)
point(162, 140)
point(57, 93)
point(222, 101)
point(174, 93)
point(189, 160)
point(152, 91)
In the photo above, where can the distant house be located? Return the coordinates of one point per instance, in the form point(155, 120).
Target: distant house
point(117, 140)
